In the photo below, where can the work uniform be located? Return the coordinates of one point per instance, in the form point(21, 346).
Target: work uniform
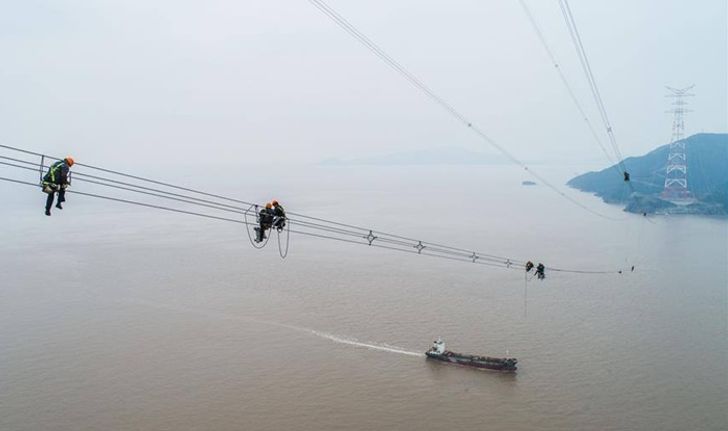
point(266, 221)
point(280, 216)
point(56, 180)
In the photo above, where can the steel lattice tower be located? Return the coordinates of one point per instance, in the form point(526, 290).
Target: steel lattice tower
point(676, 174)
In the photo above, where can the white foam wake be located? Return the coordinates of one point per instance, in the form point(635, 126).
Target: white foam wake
point(353, 342)
point(331, 337)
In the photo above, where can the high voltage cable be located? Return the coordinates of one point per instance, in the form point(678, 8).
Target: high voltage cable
point(586, 67)
point(310, 234)
point(436, 248)
point(392, 242)
point(305, 233)
point(364, 230)
point(344, 24)
point(568, 87)
point(389, 238)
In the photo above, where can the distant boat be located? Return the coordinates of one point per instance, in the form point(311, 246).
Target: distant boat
point(438, 352)
point(528, 183)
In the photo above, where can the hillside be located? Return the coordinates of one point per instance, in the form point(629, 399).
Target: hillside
point(707, 159)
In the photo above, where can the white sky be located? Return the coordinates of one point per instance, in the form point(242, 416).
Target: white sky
point(258, 81)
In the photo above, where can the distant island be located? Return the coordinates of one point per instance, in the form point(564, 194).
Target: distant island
point(707, 161)
point(435, 156)
point(528, 183)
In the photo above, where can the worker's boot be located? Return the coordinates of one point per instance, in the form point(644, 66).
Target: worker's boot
point(49, 202)
point(59, 206)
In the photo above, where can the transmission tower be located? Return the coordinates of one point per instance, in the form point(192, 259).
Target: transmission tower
point(676, 174)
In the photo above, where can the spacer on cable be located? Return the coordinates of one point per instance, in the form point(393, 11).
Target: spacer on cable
point(474, 257)
point(370, 238)
point(419, 247)
point(40, 168)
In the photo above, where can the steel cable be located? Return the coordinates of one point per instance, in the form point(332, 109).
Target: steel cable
point(393, 241)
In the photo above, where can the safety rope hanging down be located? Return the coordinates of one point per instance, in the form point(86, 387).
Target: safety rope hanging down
point(194, 204)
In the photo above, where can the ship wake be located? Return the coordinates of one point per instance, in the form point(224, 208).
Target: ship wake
point(371, 346)
point(325, 335)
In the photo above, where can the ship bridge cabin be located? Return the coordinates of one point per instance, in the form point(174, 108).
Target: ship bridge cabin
point(438, 346)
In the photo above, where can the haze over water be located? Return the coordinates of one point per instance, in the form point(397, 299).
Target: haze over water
point(117, 317)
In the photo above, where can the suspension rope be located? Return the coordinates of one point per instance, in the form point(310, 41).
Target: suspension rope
point(525, 295)
point(284, 253)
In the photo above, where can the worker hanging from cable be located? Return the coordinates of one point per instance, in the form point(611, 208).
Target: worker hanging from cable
point(529, 266)
point(540, 271)
point(56, 181)
point(265, 218)
point(626, 176)
point(280, 215)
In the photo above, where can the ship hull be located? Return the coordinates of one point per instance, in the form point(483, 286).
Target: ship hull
point(501, 365)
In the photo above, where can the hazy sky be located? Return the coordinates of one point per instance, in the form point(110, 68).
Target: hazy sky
point(247, 81)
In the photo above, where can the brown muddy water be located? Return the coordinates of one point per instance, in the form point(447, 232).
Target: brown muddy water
point(115, 317)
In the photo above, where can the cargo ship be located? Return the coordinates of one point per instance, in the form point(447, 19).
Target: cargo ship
point(438, 352)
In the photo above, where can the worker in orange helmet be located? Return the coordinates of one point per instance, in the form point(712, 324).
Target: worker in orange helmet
point(280, 215)
point(56, 181)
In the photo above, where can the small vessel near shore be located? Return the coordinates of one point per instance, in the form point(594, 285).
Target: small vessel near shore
point(439, 353)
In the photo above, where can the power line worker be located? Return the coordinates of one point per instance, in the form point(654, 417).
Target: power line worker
point(540, 271)
point(265, 218)
point(57, 180)
point(529, 266)
point(280, 215)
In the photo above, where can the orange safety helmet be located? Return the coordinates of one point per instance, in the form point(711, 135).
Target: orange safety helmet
point(69, 160)
point(275, 203)
point(269, 205)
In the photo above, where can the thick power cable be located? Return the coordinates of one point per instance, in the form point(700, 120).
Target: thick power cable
point(586, 66)
point(136, 177)
point(316, 226)
point(430, 252)
point(417, 245)
point(374, 48)
point(310, 234)
point(381, 236)
point(567, 85)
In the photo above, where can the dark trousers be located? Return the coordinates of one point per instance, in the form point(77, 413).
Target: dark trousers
point(261, 230)
point(61, 198)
